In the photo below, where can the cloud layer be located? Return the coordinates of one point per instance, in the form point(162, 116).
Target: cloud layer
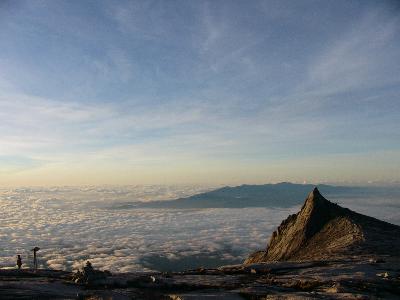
point(72, 225)
point(72, 231)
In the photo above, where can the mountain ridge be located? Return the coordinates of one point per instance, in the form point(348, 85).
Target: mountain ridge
point(324, 230)
point(282, 194)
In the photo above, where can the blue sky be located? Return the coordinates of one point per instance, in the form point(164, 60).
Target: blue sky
point(210, 92)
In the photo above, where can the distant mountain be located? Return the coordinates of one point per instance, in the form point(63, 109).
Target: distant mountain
point(267, 195)
point(324, 230)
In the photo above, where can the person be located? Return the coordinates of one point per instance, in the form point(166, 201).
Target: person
point(88, 272)
point(19, 262)
point(88, 268)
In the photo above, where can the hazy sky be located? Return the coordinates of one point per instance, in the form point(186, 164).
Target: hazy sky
point(214, 92)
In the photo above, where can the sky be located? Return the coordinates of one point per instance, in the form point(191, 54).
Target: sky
point(199, 92)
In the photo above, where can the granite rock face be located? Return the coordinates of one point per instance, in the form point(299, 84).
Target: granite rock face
point(324, 230)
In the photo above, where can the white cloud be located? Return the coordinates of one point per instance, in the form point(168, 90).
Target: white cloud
point(74, 224)
point(71, 230)
point(361, 58)
point(225, 96)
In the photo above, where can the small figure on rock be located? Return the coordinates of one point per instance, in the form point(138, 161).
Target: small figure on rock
point(19, 262)
point(88, 269)
point(90, 276)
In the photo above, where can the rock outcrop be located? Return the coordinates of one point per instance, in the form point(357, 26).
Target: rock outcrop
point(323, 230)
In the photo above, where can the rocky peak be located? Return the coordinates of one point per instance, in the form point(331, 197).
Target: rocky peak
point(316, 212)
point(321, 230)
point(314, 197)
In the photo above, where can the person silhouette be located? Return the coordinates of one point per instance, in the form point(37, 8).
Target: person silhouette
point(19, 262)
point(88, 268)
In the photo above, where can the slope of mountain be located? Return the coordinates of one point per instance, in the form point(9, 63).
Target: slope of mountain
point(324, 230)
point(267, 195)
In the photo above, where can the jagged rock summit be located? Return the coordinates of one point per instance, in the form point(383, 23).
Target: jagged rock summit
point(323, 230)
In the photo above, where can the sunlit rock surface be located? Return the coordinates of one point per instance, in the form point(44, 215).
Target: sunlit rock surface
point(339, 279)
point(324, 230)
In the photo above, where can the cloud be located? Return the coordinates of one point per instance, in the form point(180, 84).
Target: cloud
point(361, 58)
point(33, 123)
point(74, 224)
point(70, 232)
point(99, 90)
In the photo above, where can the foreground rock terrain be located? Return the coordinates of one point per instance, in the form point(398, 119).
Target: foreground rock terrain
point(342, 279)
point(323, 252)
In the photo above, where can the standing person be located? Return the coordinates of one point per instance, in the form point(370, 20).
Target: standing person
point(19, 262)
point(35, 264)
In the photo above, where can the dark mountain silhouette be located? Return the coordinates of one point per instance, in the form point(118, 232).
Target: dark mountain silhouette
point(324, 230)
point(267, 195)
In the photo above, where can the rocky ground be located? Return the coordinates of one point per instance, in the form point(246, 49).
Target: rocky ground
point(346, 279)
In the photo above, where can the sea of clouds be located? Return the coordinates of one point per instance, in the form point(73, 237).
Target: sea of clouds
point(72, 225)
